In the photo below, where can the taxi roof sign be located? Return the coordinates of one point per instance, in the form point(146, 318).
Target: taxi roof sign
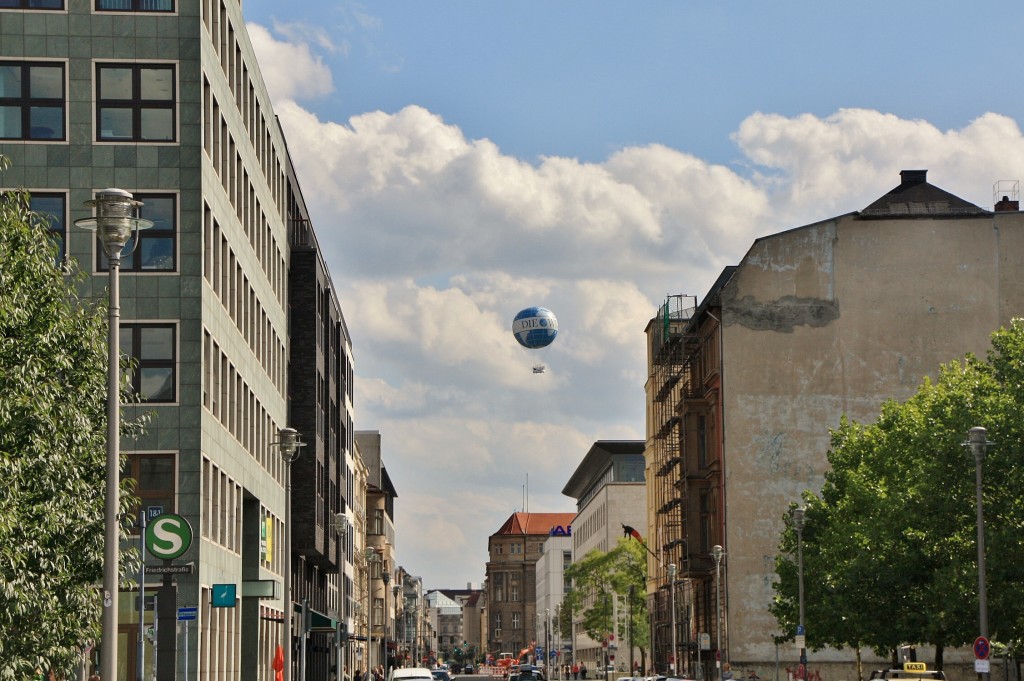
point(915, 667)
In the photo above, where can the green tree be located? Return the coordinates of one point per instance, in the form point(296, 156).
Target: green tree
point(601, 576)
point(53, 369)
point(889, 544)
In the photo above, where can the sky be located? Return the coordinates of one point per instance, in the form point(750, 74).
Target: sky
point(465, 159)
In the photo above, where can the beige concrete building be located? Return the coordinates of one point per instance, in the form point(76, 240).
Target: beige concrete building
point(823, 320)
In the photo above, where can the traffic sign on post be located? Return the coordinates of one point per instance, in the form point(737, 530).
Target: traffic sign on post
point(982, 649)
point(168, 536)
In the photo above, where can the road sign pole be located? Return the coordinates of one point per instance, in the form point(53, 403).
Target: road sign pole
point(142, 596)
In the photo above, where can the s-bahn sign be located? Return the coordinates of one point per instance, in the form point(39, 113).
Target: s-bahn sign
point(168, 536)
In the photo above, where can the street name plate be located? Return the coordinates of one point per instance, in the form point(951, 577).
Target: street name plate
point(186, 569)
point(982, 666)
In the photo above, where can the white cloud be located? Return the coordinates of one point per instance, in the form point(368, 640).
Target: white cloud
point(435, 241)
point(290, 70)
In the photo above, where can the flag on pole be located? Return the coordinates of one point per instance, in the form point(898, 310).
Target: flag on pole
point(628, 531)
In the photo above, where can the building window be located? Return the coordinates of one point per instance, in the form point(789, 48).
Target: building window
point(135, 5)
point(378, 612)
point(157, 245)
point(378, 521)
point(152, 349)
point(513, 593)
point(51, 208)
point(497, 624)
point(135, 102)
point(702, 441)
point(154, 482)
point(32, 4)
point(31, 101)
point(515, 620)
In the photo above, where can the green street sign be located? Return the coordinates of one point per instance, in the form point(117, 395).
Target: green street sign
point(168, 536)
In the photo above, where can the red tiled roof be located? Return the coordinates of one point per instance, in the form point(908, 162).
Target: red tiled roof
point(535, 523)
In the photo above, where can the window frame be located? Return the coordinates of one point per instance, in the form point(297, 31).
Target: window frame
point(139, 364)
point(26, 4)
point(27, 103)
point(131, 470)
point(135, 7)
point(136, 104)
point(60, 234)
point(135, 262)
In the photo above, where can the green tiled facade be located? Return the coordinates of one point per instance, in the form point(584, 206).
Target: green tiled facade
point(228, 480)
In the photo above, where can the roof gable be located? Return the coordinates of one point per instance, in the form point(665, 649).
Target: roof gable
point(915, 197)
point(538, 524)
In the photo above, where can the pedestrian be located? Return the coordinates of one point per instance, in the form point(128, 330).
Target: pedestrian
point(583, 670)
point(726, 672)
point(344, 674)
point(575, 670)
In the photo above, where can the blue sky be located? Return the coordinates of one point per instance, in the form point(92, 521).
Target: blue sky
point(467, 159)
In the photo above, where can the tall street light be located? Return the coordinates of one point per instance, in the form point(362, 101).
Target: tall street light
point(394, 593)
point(289, 443)
point(342, 525)
point(115, 221)
point(977, 440)
point(716, 553)
point(386, 577)
point(547, 640)
point(798, 523)
point(672, 607)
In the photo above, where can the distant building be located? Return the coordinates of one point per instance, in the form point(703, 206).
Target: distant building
point(819, 321)
point(610, 494)
point(511, 578)
point(380, 549)
point(552, 585)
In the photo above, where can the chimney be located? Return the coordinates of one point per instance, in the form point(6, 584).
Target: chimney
point(912, 177)
point(1005, 205)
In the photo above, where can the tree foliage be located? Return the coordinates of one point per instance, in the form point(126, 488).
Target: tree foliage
point(53, 375)
point(889, 545)
point(600, 577)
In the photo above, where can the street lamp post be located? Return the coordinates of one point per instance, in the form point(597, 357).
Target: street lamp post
point(798, 523)
point(672, 607)
point(289, 443)
point(343, 526)
point(547, 641)
point(394, 593)
point(386, 578)
point(716, 553)
point(629, 626)
point(977, 440)
point(115, 221)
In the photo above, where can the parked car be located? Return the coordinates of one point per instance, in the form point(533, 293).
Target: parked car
point(412, 674)
point(441, 675)
point(529, 672)
point(469, 669)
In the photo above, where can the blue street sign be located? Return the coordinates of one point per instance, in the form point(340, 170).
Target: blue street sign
point(800, 630)
point(187, 614)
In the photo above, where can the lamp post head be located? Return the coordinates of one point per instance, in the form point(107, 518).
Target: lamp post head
point(798, 518)
point(386, 576)
point(342, 524)
point(289, 442)
point(116, 218)
point(672, 570)
point(716, 553)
